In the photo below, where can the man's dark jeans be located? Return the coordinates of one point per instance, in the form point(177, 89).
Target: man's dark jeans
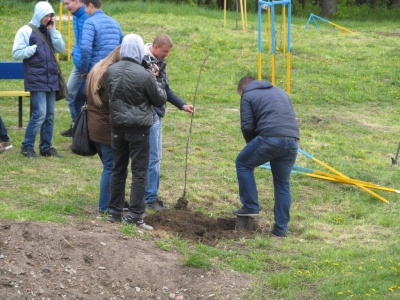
point(137, 148)
point(281, 153)
point(80, 100)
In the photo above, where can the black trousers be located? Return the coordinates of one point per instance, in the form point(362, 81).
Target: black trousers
point(135, 147)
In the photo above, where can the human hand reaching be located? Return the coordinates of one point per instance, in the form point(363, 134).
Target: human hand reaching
point(188, 108)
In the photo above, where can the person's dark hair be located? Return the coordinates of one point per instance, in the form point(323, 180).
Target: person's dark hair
point(162, 39)
point(96, 3)
point(243, 82)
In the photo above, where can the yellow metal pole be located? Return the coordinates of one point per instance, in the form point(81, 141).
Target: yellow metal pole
point(372, 193)
point(284, 28)
point(60, 18)
point(357, 184)
point(245, 13)
point(365, 183)
point(241, 13)
point(69, 35)
point(224, 13)
point(59, 25)
point(269, 29)
point(353, 183)
point(288, 72)
point(336, 25)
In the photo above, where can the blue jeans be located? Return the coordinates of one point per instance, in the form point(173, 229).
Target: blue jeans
point(135, 147)
point(281, 153)
point(105, 153)
point(80, 99)
point(42, 118)
point(74, 82)
point(155, 161)
point(3, 132)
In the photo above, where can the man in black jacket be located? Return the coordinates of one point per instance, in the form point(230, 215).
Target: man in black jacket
point(132, 92)
point(271, 132)
point(156, 54)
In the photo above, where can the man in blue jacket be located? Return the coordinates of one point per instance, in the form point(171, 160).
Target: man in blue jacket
point(101, 34)
point(40, 77)
point(270, 129)
point(79, 17)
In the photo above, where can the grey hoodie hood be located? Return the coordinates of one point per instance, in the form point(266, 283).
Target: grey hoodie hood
point(133, 47)
point(42, 8)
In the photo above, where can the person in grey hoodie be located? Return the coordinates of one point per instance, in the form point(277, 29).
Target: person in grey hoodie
point(270, 129)
point(132, 91)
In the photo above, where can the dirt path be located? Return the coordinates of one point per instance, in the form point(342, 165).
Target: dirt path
point(93, 260)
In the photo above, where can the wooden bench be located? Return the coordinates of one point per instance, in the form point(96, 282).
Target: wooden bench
point(9, 71)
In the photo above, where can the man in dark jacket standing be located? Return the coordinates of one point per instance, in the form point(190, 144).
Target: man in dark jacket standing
point(271, 132)
point(132, 92)
point(156, 54)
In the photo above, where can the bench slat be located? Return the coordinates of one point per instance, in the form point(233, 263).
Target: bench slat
point(14, 93)
point(14, 70)
point(11, 70)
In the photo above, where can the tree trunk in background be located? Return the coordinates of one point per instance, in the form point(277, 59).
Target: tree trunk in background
point(302, 2)
point(328, 8)
point(220, 4)
point(395, 4)
point(374, 3)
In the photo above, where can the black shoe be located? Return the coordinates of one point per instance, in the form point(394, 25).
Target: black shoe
point(278, 233)
point(138, 222)
point(67, 133)
point(50, 152)
point(114, 218)
point(245, 212)
point(126, 206)
point(157, 205)
point(28, 152)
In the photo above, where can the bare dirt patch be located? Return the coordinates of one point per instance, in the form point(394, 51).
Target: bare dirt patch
point(196, 227)
point(94, 260)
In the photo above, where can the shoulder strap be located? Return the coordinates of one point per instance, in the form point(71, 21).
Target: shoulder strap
point(41, 35)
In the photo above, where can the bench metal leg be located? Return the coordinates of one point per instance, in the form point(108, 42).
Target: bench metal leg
point(20, 111)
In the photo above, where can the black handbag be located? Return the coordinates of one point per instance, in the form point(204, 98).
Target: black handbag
point(81, 143)
point(62, 93)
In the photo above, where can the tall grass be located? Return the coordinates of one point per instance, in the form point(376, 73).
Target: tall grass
point(344, 87)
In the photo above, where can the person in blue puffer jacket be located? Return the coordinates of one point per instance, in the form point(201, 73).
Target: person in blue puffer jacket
point(40, 77)
point(74, 82)
point(101, 34)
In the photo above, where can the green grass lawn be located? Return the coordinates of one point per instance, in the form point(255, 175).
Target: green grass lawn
point(343, 242)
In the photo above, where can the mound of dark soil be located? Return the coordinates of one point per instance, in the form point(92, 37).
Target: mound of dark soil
point(196, 226)
point(93, 260)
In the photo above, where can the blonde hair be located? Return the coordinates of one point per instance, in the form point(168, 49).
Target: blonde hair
point(95, 78)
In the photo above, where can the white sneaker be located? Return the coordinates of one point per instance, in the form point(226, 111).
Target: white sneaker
point(138, 222)
point(144, 226)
